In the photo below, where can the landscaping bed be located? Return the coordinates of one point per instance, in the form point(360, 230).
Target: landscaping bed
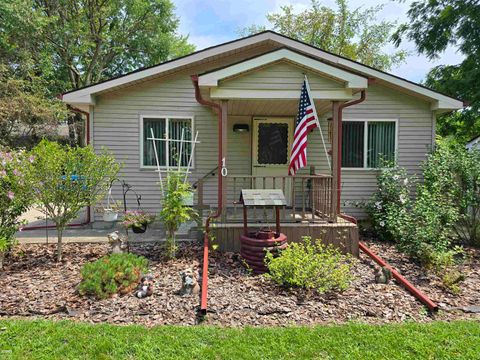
point(34, 285)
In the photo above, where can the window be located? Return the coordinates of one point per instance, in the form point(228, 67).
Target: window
point(365, 143)
point(168, 150)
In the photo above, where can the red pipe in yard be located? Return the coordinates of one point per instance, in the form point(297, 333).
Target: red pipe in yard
point(409, 286)
point(412, 289)
point(87, 135)
point(218, 108)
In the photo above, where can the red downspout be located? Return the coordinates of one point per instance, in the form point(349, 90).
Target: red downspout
point(339, 169)
point(87, 135)
point(409, 286)
point(218, 108)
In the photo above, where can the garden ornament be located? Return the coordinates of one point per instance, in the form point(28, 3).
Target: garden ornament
point(383, 275)
point(190, 284)
point(118, 243)
point(145, 288)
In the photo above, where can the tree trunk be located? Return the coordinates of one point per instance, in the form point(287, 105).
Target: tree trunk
point(2, 257)
point(59, 244)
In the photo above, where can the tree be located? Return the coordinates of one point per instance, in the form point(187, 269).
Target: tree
point(75, 43)
point(14, 196)
point(435, 25)
point(65, 179)
point(351, 33)
point(25, 111)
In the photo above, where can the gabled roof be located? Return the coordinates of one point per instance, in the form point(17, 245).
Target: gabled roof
point(86, 95)
point(352, 80)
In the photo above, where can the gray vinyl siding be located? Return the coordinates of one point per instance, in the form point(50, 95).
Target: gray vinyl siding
point(415, 139)
point(116, 117)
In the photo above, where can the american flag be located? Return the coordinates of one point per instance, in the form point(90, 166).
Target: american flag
point(306, 121)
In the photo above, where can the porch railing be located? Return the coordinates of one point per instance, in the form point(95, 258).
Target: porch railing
point(309, 197)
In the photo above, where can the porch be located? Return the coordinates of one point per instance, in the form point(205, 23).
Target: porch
point(309, 211)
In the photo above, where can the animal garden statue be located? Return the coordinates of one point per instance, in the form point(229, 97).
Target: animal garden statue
point(145, 288)
point(383, 275)
point(118, 243)
point(190, 284)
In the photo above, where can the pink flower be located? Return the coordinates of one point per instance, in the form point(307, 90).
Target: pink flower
point(31, 158)
point(10, 195)
point(3, 173)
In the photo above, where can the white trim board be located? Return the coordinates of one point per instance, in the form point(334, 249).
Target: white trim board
point(439, 101)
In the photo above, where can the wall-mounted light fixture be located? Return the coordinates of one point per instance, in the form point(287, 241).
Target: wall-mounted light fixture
point(241, 128)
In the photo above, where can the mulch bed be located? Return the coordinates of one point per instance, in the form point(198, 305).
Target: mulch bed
point(34, 285)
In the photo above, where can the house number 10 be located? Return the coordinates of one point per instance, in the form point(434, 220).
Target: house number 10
point(224, 168)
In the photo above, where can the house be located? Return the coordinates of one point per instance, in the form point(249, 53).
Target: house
point(242, 99)
point(474, 143)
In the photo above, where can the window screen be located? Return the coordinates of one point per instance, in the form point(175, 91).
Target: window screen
point(272, 143)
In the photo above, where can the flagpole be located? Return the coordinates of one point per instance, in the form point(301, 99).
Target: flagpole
point(318, 122)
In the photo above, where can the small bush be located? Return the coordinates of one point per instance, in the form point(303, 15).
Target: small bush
point(116, 273)
point(444, 264)
point(311, 265)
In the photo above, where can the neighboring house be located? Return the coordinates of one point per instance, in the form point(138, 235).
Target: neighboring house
point(257, 80)
point(474, 143)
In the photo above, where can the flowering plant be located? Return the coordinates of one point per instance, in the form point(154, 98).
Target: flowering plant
point(14, 195)
point(137, 218)
point(389, 209)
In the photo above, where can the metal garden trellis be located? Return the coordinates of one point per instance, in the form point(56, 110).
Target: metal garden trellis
point(181, 141)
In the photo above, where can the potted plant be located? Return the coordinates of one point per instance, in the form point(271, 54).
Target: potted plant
point(137, 220)
point(110, 212)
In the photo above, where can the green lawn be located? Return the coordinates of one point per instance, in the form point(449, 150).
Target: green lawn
point(68, 340)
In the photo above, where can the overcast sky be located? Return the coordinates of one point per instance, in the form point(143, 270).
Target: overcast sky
point(211, 22)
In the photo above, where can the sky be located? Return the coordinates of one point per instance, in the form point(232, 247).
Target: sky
point(211, 22)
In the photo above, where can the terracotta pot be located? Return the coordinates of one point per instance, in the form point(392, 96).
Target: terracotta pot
point(139, 229)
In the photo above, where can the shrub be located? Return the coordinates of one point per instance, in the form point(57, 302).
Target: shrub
point(311, 265)
point(390, 206)
point(174, 211)
point(453, 173)
point(443, 264)
point(116, 273)
point(14, 195)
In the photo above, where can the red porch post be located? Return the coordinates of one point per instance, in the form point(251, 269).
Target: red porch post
point(336, 161)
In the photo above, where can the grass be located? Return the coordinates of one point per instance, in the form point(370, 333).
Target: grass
point(22, 339)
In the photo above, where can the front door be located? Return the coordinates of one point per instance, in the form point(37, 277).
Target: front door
point(272, 140)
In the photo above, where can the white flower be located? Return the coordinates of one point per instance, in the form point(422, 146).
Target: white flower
point(382, 223)
point(405, 182)
point(403, 199)
point(378, 204)
point(396, 177)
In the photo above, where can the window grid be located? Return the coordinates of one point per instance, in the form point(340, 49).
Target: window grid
point(168, 136)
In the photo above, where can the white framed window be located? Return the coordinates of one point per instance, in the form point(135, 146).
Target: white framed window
point(169, 130)
point(366, 142)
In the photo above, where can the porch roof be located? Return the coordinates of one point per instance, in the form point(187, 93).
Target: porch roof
point(350, 80)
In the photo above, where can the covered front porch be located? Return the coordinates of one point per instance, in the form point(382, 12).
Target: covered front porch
point(257, 102)
point(257, 158)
